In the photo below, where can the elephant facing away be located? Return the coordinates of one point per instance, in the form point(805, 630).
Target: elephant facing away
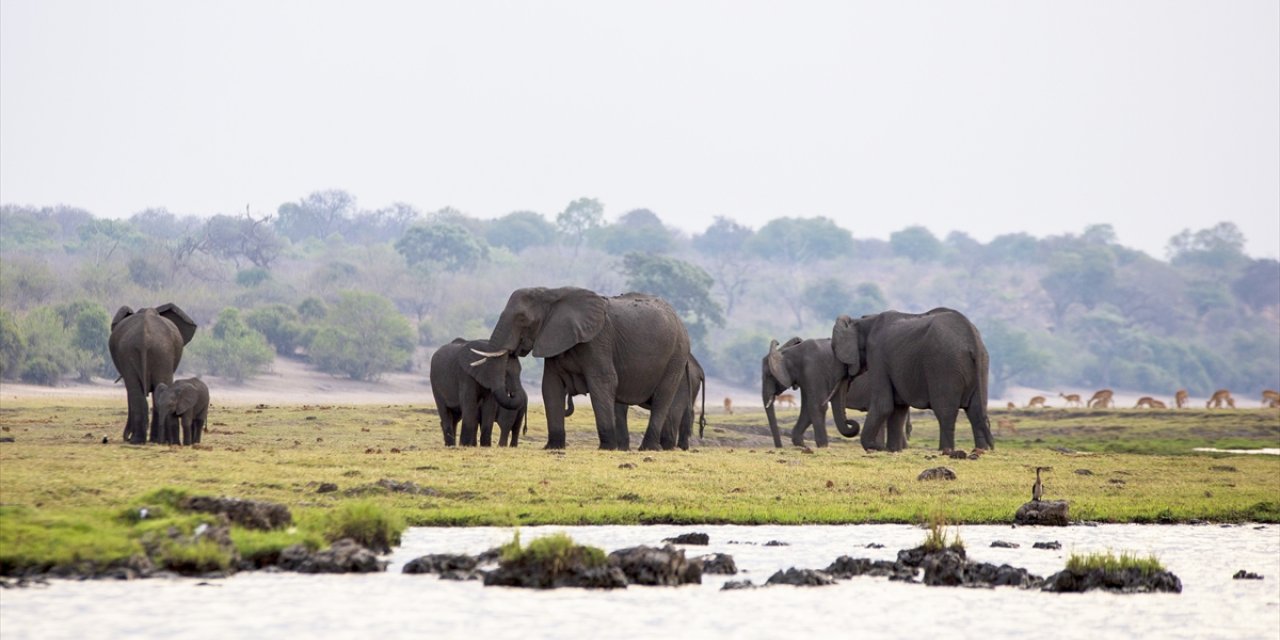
point(184, 409)
point(628, 349)
point(811, 366)
point(146, 347)
point(934, 360)
point(476, 390)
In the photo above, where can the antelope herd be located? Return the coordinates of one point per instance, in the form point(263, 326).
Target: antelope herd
point(1105, 398)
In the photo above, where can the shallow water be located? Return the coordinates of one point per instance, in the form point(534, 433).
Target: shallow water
point(1212, 604)
point(1267, 451)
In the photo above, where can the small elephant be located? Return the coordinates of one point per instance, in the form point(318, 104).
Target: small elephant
point(146, 347)
point(476, 389)
point(628, 349)
point(934, 360)
point(183, 407)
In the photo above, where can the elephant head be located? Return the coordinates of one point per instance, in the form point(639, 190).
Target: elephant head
point(169, 311)
point(798, 363)
point(497, 371)
point(775, 377)
point(548, 322)
point(849, 342)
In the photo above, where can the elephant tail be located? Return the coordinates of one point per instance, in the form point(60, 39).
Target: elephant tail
point(702, 417)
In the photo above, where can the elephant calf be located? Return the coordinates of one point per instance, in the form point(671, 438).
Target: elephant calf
point(183, 407)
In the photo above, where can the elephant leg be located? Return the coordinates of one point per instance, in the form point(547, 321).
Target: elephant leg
point(982, 438)
point(818, 417)
point(896, 438)
point(797, 432)
point(553, 401)
point(470, 415)
point(602, 403)
point(946, 427)
point(135, 427)
point(621, 433)
point(488, 415)
point(185, 422)
point(197, 429)
point(686, 428)
point(157, 428)
point(448, 424)
point(873, 437)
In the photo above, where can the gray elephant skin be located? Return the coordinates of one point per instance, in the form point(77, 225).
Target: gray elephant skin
point(630, 349)
point(934, 360)
point(679, 426)
point(184, 409)
point(477, 391)
point(146, 347)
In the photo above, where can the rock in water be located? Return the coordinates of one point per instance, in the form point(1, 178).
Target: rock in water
point(1123, 581)
point(720, 563)
point(690, 538)
point(1246, 575)
point(801, 578)
point(656, 567)
point(345, 556)
point(1043, 512)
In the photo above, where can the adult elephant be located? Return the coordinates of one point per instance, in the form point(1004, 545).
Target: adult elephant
point(146, 347)
point(811, 366)
point(476, 390)
point(679, 426)
point(934, 360)
point(628, 349)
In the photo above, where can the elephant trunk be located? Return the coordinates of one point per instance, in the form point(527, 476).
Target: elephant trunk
point(847, 428)
point(773, 419)
point(511, 401)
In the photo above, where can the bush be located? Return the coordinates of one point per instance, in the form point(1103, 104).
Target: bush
point(13, 345)
point(739, 360)
point(366, 523)
point(232, 349)
point(281, 326)
point(363, 336)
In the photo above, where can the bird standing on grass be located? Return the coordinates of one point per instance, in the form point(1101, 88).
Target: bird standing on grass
point(1037, 489)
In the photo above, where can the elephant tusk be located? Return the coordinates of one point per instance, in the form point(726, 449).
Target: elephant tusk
point(831, 395)
point(770, 402)
point(479, 362)
point(489, 354)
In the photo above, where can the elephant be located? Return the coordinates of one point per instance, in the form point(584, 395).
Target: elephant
point(146, 347)
point(628, 349)
point(477, 390)
point(811, 366)
point(679, 425)
point(183, 408)
point(934, 360)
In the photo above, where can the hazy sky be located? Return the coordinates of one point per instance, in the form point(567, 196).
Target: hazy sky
point(987, 117)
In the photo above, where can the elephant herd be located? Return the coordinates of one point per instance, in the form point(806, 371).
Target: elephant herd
point(622, 351)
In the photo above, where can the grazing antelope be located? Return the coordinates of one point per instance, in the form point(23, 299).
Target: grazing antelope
point(728, 405)
point(1270, 398)
point(1036, 401)
point(1006, 424)
point(1219, 397)
point(1149, 402)
point(1101, 399)
point(1180, 398)
point(1012, 406)
point(1037, 489)
point(1073, 399)
point(787, 399)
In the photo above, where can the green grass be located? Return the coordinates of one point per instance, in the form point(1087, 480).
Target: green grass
point(937, 540)
point(554, 551)
point(1109, 562)
point(66, 498)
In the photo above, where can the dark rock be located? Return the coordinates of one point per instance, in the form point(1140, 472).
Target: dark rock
point(1043, 512)
point(1052, 545)
point(985, 573)
point(578, 570)
point(916, 557)
point(344, 556)
point(1125, 581)
point(874, 545)
point(326, 487)
point(801, 578)
point(250, 514)
point(734, 585)
point(1246, 575)
point(937, 473)
point(6, 439)
point(944, 568)
point(777, 543)
point(665, 567)
point(441, 563)
point(690, 538)
point(718, 563)
point(462, 576)
point(845, 567)
point(957, 455)
point(1001, 544)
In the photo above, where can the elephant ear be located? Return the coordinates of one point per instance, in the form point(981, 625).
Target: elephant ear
point(574, 318)
point(845, 342)
point(795, 340)
point(186, 326)
point(121, 314)
point(777, 367)
point(186, 400)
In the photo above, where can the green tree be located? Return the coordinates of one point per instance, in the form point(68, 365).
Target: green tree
point(800, 240)
point(239, 238)
point(1014, 248)
point(520, 230)
point(1218, 247)
point(232, 349)
point(13, 345)
point(49, 352)
point(88, 327)
point(867, 299)
point(578, 220)
point(1259, 285)
point(637, 231)
point(685, 286)
point(917, 244)
point(444, 246)
point(363, 336)
point(739, 359)
point(828, 298)
point(723, 245)
point(1013, 355)
point(723, 236)
point(1084, 277)
point(281, 326)
point(319, 215)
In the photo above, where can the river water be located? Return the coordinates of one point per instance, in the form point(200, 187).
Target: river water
point(390, 605)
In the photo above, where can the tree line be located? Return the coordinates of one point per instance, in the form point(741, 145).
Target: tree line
point(360, 292)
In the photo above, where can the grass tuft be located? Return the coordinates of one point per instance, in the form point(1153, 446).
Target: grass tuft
point(1110, 562)
point(555, 552)
point(366, 522)
point(936, 539)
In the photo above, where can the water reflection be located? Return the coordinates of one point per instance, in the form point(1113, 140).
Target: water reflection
point(396, 605)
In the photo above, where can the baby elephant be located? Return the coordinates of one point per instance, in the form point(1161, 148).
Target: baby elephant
point(185, 404)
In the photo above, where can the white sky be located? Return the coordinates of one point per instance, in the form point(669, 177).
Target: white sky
point(988, 117)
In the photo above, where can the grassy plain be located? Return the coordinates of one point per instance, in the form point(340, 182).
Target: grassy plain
point(66, 496)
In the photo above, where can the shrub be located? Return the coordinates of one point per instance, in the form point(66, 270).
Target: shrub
point(554, 551)
point(367, 523)
point(937, 539)
point(363, 336)
point(1110, 562)
point(281, 326)
point(13, 345)
point(232, 349)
